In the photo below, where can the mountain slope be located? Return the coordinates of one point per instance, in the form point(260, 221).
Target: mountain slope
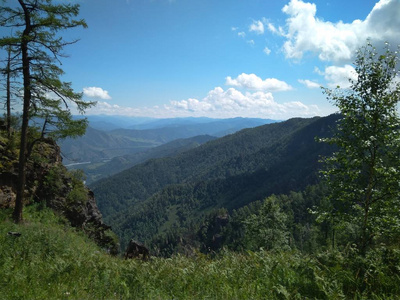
point(97, 145)
point(97, 171)
point(232, 171)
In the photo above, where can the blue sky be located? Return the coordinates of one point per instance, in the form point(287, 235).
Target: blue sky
point(221, 58)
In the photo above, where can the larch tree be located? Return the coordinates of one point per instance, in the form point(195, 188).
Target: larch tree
point(363, 175)
point(37, 25)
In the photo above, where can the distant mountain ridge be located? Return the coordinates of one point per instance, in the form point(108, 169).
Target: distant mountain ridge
point(152, 198)
point(120, 139)
point(108, 123)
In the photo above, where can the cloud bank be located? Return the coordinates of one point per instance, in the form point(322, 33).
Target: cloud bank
point(231, 102)
point(218, 103)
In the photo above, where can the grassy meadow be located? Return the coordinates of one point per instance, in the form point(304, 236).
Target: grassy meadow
point(51, 260)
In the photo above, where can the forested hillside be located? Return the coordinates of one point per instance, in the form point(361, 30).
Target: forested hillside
point(231, 172)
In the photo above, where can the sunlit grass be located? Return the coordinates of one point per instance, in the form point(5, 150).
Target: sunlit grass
point(50, 260)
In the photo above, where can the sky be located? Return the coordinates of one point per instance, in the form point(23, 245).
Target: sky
point(221, 58)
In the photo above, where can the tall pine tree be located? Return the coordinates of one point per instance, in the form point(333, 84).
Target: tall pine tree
point(37, 25)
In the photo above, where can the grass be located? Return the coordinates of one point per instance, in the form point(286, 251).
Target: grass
point(51, 260)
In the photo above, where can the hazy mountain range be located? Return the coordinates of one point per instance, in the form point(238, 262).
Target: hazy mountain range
point(110, 137)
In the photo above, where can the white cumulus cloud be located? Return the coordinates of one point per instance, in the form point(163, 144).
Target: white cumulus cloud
point(96, 92)
point(253, 82)
point(337, 42)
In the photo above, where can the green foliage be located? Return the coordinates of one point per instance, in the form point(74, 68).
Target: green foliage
point(8, 150)
point(268, 227)
point(286, 220)
point(79, 192)
point(58, 124)
point(168, 228)
point(53, 181)
point(363, 175)
point(52, 261)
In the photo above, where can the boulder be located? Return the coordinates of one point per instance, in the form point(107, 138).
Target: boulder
point(137, 250)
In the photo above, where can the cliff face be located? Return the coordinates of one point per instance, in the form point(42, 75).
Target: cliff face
point(49, 183)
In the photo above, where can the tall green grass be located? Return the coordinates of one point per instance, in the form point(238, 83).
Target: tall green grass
point(50, 260)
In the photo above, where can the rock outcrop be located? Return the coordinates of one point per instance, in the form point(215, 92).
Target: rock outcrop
point(49, 183)
point(137, 250)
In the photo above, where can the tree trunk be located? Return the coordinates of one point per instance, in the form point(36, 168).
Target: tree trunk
point(19, 201)
point(8, 117)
